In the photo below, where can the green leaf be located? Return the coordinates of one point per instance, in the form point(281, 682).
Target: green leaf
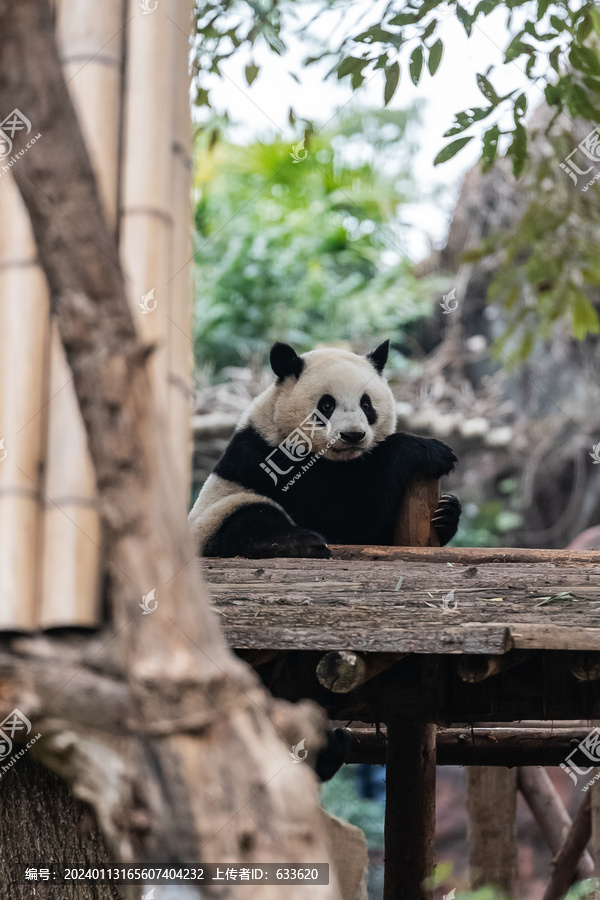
point(542, 8)
point(451, 150)
point(585, 317)
point(202, 97)
point(553, 58)
point(520, 108)
point(251, 71)
point(435, 56)
point(592, 83)
point(349, 65)
point(464, 120)
point(584, 28)
point(392, 77)
point(416, 64)
point(487, 90)
point(429, 30)
point(490, 147)
point(518, 150)
point(584, 59)
point(464, 18)
point(404, 19)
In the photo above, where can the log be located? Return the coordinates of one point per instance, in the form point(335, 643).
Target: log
point(565, 862)
point(491, 807)
point(549, 812)
point(584, 666)
point(474, 669)
point(409, 809)
point(342, 671)
point(492, 746)
point(467, 556)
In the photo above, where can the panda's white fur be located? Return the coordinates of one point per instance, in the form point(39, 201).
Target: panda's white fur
point(282, 407)
point(344, 375)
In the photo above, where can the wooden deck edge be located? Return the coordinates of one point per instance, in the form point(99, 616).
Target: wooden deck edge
point(464, 555)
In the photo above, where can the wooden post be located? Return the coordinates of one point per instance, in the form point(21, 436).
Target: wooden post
point(491, 806)
point(411, 746)
point(409, 809)
point(413, 525)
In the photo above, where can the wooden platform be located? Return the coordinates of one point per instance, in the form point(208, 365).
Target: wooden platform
point(502, 600)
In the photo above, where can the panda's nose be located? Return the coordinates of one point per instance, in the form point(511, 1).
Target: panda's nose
point(352, 437)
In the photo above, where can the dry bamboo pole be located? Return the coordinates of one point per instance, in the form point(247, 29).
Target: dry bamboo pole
point(91, 49)
point(24, 338)
point(180, 355)
point(146, 201)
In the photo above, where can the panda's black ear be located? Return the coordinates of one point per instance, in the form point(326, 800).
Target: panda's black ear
point(285, 361)
point(378, 357)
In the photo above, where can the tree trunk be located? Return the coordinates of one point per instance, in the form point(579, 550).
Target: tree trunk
point(61, 832)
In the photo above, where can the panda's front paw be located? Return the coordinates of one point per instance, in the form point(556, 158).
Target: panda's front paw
point(445, 518)
point(299, 543)
point(441, 458)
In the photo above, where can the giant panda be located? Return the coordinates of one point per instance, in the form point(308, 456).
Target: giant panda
point(317, 460)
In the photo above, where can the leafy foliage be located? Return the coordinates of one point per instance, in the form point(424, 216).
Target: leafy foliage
point(340, 797)
point(303, 251)
point(557, 36)
point(547, 270)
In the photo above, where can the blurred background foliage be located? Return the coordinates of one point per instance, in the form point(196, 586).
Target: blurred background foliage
point(304, 256)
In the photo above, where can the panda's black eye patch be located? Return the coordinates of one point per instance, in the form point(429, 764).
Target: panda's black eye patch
point(326, 405)
point(367, 408)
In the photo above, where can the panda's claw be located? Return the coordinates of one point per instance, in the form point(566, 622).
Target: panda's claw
point(301, 543)
point(446, 517)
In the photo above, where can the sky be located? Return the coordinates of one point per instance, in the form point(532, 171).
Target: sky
point(261, 110)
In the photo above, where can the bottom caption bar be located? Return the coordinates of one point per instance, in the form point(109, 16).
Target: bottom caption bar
point(209, 873)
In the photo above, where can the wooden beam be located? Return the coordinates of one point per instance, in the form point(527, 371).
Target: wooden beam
point(468, 556)
point(549, 812)
point(491, 807)
point(342, 671)
point(493, 746)
point(565, 863)
point(409, 809)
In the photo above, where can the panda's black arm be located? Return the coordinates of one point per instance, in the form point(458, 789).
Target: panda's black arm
point(419, 457)
point(259, 531)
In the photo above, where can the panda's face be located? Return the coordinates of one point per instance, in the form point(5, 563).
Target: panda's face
point(342, 393)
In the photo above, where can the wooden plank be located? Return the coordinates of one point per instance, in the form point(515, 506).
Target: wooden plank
point(409, 809)
point(465, 555)
point(411, 606)
point(491, 806)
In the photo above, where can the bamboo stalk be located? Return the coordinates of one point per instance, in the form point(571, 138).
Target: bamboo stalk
point(71, 561)
point(91, 52)
point(147, 216)
point(23, 331)
point(180, 346)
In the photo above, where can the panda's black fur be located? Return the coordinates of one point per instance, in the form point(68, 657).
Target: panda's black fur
point(331, 500)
